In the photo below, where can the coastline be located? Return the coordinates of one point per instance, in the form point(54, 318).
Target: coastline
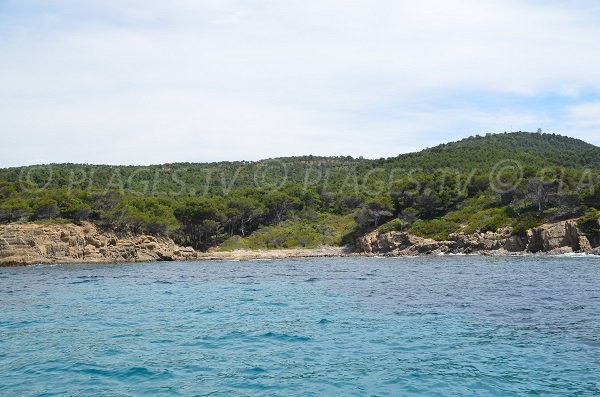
point(298, 253)
point(30, 244)
point(338, 252)
point(322, 252)
point(236, 255)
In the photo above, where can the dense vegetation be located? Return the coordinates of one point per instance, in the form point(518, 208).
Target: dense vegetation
point(478, 184)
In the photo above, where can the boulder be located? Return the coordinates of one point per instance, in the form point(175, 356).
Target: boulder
point(184, 252)
point(515, 244)
point(560, 251)
point(595, 251)
point(397, 243)
point(551, 236)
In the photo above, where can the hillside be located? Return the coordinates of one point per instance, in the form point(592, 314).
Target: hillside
point(310, 201)
point(475, 153)
point(532, 149)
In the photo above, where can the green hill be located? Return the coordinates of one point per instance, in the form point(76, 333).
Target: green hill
point(479, 183)
point(479, 153)
point(532, 149)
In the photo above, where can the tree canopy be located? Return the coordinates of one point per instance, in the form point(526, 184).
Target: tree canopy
point(480, 183)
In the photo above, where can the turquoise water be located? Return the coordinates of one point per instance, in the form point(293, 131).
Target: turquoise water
point(443, 326)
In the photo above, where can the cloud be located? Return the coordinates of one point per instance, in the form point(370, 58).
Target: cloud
point(583, 120)
point(150, 81)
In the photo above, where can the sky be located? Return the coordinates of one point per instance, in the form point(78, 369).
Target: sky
point(150, 82)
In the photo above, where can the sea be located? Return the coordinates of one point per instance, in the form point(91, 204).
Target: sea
point(353, 326)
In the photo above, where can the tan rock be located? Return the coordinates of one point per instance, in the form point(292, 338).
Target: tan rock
point(551, 236)
point(93, 241)
point(584, 244)
point(515, 244)
point(560, 251)
point(33, 243)
point(558, 237)
point(398, 243)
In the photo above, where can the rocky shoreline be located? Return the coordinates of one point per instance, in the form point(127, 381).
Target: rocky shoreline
point(26, 244)
point(23, 244)
point(550, 239)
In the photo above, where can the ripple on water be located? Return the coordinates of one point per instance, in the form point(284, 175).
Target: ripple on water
point(285, 337)
point(341, 326)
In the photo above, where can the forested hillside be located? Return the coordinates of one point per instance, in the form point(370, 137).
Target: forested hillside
point(531, 149)
point(480, 183)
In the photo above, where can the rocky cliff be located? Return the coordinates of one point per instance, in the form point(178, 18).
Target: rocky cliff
point(22, 244)
point(553, 238)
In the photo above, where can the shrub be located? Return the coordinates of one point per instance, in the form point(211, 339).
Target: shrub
point(488, 220)
point(438, 229)
point(395, 225)
point(527, 221)
point(588, 223)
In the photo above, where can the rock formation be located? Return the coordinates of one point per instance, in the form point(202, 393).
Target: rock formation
point(552, 238)
point(22, 244)
point(559, 235)
point(397, 242)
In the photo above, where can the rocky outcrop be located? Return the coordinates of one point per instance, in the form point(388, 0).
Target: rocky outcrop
point(22, 244)
point(489, 241)
point(399, 243)
point(554, 238)
point(557, 235)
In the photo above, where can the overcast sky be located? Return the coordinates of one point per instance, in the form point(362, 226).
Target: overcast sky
point(148, 81)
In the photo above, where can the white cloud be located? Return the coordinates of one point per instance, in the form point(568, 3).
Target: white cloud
point(154, 81)
point(583, 120)
point(585, 115)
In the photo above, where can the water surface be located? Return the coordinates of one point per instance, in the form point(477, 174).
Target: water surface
point(312, 327)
